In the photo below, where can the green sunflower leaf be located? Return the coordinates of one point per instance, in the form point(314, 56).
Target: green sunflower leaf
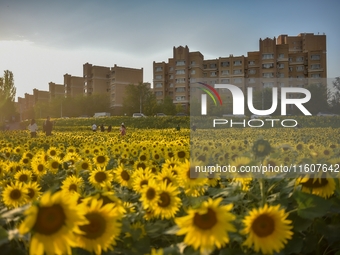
point(311, 206)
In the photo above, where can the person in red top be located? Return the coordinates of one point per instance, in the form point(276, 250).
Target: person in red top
point(122, 129)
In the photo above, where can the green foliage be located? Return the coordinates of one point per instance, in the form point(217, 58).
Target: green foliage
point(139, 98)
point(7, 96)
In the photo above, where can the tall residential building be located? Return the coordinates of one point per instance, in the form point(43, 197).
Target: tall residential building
point(287, 60)
point(120, 77)
point(73, 85)
point(56, 90)
point(100, 80)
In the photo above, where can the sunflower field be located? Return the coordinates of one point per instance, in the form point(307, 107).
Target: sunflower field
point(90, 192)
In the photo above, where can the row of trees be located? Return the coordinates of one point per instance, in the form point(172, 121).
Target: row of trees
point(7, 97)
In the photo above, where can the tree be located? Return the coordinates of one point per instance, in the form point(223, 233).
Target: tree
point(167, 106)
point(7, 95)
point(139, 98)
point(319, 99)
point(335, 96)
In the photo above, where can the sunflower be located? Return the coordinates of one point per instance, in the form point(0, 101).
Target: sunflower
point(189, 177)
point(23, 176)
point(53, 152)
point(168, 203)
point(53, 164)
point(141, 178)
point(99, 177)
point(167, 175)
point(109, 197)
point(208, 226)
point(52, 223)
point(149, 194)
point(239, 162)
point(322, 185)
point(123, 176)
point(72, 184)
point(33, 191)
point(14, 195)
point(101, 160)
point(267, 229)
point(38, 167)
point(102, 229)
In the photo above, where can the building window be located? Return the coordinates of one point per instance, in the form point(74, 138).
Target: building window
point(225, 72)
point(171, 69)
point(158, 77)
point(267, 75)
point(290, 69)
point(204, 66)
point(180, 98)
point(251, 62)
point(281, 55)
point(213, 74)
point(252, 71)
point(237, 71)
point(180, 63)
point(315, 57)
point(225, 81)
point(180, 80)
point(251, 80)
point(281, 66)
point(299, 59)
point(159, 93)
point(180, 89)
point(268, 65)
point(171, 93)
point(315, 67)
point(281, 75)
point(180, 71)
point(299, 68)
point(267, 56)
point(171, 85)
point(192, 80)
point(316, 75)
point(237, 80)
point(290, 59)
point(193, 71)
point(225, 64)
point(171, 76)
point(159, 68)
point(212, 66)
point(193, 63)
point(268, 84)
point(237, 62)
point(159, 85)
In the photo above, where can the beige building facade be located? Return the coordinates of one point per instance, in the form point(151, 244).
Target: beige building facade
point(74, 85)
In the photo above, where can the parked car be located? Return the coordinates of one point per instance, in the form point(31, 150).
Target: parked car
point(181, 114)
point(254, 116)
point(160, 114)
point(234, 116)
point(326, 114)
point(138, 115)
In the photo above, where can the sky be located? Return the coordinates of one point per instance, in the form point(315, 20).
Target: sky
point(42, 40)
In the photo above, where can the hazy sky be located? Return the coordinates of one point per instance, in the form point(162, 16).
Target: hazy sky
point(42, 40)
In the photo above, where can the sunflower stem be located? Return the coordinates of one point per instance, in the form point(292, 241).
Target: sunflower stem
point(263, 197)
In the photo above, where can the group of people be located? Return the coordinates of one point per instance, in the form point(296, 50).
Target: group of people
point(47, 127)
point(122, 128)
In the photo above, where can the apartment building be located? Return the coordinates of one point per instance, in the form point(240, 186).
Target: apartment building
point(285, 61)
point(101, 80)
point(73, 85)
point(56, 90)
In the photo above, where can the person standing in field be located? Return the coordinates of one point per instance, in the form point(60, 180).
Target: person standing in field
point(48, 126)
point(33, 128)
point(94, 127)
point(122, 129)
